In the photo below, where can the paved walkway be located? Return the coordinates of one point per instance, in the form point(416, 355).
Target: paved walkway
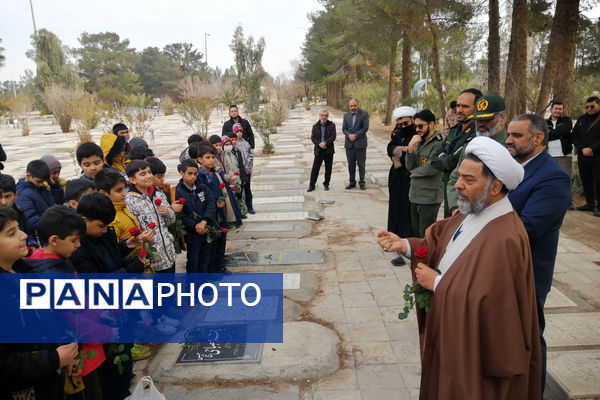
point(358, 292)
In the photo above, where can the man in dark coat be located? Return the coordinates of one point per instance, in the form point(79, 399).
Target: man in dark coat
point(234, 117)
point(399, 218)
point(586, 138)
point(541, 201)
point(323, 136)
point(355, 126)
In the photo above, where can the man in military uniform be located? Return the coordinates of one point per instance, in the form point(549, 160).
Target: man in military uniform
point(446, 160)
point(491, 118)
point(425, 193)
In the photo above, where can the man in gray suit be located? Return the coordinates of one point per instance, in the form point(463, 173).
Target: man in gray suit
point(355, 127)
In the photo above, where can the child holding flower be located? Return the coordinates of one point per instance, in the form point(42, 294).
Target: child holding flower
point(198, 215)
point(228, 214)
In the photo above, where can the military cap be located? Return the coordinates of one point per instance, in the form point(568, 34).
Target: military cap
point(488, 106)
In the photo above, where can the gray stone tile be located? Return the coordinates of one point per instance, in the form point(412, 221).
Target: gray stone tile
point(578, 329)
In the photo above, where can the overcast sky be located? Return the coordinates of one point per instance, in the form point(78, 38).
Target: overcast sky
point(283, 24)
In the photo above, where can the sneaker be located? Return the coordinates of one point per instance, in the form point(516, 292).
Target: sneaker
point(326, 187)
point(398, 261)
point(168, 320)
point(311, 189)
point(587, 207)
point(251, 211)
point(164, 329)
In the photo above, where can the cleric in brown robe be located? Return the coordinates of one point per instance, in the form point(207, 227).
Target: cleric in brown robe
point(480, 339)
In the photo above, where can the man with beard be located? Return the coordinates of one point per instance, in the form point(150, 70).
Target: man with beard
point(425, 192)
point(586, 138)
point(491, 118)
point(355, 126)
point(399, 220)
point(458, 135)
point(541, 200)
point(480, 339)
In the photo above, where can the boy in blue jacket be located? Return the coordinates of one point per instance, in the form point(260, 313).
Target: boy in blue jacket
point(199, 211)
point(34, 197)
point(228, 214)
point(59, 230)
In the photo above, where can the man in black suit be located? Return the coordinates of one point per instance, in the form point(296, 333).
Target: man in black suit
point(355, 127)
point(323, 136)
point(234, 117)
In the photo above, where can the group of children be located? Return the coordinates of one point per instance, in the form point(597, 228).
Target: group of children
point(99, 223)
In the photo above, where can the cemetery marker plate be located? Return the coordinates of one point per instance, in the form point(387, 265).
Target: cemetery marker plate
point(288, 257)
point(202, 353)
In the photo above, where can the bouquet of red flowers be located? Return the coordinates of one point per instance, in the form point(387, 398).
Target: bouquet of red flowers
point(421, 296)
point(214, 232)
point(147, 250)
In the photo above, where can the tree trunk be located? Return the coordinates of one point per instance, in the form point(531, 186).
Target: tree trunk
point(389, 105)
point(406, 66)
point(494, 48)
point(564, 76)
point(516, 72)
point(437, 76)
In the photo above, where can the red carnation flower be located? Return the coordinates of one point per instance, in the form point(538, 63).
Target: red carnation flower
point(236, 173)
point(135, 231)
point(225, 230)
point(232, 187)
point(181, 201)
point(222, 186)
point(151, 225)
point(421, 252)
point(142, 253)
point(158, 202)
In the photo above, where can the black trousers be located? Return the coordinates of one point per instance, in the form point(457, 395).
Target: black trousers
point(316, 167)
point(589, 170)
point(247, 192)
point(540, 301)
point(354, 157)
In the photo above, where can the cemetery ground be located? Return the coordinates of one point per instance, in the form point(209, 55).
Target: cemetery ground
point(342, 335)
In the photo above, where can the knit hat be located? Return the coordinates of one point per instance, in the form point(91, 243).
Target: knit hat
point(237, 127)
point(137, 141)
point(51, 161)
point(225, 140)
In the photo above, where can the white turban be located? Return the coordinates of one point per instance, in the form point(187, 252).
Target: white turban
point(404, 111)
point(497, 158)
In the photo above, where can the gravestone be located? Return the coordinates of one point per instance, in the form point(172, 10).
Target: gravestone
point(199, 353)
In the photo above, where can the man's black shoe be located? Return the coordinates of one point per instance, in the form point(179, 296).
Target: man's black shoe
point(597, 212)
point(311, 188)
point(398, 261)
point(587, 207)
point(362, 186)
point(326, 187)
point(351, 186)
point(244, 216)
point(251, 211)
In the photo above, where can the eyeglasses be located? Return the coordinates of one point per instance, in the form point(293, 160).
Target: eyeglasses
point(420, 126)
point(404, 124)
point(590, 107)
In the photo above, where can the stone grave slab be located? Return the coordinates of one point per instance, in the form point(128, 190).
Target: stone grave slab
point(287, 257)
point(291, 151)
point(198, 353)
point(279, 207)
point(270, 227)
point(176, 392)
point(577, 329)
point(278, 193)
point(271, 200)
point(266, 187)
point(557, 299)
point(577, 373)
point(312, 347)
point(276, 176)
point(279, 216)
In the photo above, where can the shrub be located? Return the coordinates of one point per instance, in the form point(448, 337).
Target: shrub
point(265, 122)
point(86, 115)
point(19, 107)
point(61, 101)
point(168, 106)
point(196, 114)
point(369, 94)
point(281, 111)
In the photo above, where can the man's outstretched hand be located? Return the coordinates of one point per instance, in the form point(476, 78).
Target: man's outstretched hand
point(391, 242)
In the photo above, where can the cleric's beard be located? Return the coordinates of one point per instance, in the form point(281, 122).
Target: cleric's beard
point(475, 206)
